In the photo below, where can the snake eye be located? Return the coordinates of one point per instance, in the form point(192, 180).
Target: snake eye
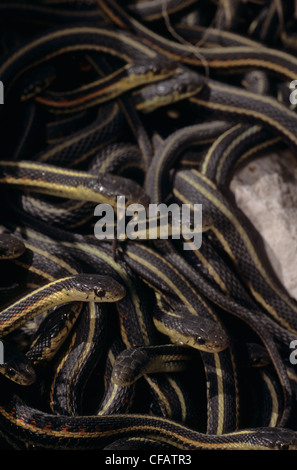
point(283, 446)
point(200, 340)
point(99, 292)
point(10, 371)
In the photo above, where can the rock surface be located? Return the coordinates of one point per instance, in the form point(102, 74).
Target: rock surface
point(266, 191)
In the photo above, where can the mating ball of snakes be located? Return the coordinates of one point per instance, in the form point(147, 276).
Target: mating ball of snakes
point(117, 339)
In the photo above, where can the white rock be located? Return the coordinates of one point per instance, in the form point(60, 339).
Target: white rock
point(266, 191)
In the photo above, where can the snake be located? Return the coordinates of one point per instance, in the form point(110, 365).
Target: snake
point(17, 417)
point(77, 288)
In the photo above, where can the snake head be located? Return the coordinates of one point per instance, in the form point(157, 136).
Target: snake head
point(183, 84)
point(119, 186)
point(129, 365)
point(156, 68)
point(274, 438)
point(205, 334)
point(11, 246)
point(97, 288)
point(16, 366)
point(196, 331)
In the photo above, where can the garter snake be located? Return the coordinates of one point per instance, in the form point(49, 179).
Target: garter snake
point(60, 182)
point(229, 102)
point(16, 366)
point(266, 395)
point(52, 333)
point(132, 363)
point(80, 432)
point(214, 297)
point(55, 328)
point(81, 288)
point(49, 333)
point(169, 151)
point(220, 59)
point(148, 263)
point(128, 110)
point(118, 158)
point(115, 398)
point(85, 348)
point(225, 416)
point(173, 84)
point(107, 88)
point(152, 10)
point(261, 284)
point(213, 37)
point(80, 146)
point(233, 148)
point(51, 44)
point(248, 107)
point(10, 246)
point(245, 313)
point(115, 158)
point(162, 161)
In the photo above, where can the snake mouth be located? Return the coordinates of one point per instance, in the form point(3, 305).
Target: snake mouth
point(208, 345)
